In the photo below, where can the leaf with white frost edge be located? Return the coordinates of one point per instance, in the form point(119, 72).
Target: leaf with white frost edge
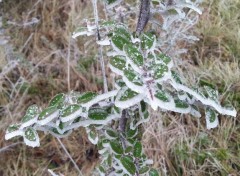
point(13, 131)
point(47, 115)
point(127, 98)
point(211, 118)
point(70, 113)
point(31, 137)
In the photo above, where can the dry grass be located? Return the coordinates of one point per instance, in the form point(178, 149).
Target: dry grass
point(179, 145)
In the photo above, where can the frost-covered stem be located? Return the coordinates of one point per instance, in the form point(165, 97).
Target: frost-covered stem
point(95, 11)
point(143, 17)
point(122, 126)
point(69, 156)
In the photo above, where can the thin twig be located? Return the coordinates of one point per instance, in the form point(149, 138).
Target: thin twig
point(95, 10)
point(6, 148)
point(122, 126)
point(69, 156)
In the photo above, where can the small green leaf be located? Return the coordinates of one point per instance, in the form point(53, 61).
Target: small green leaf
point(161, 95)
point(97, 114)
point(133, 53)
point(153, 172)
point(116, 147)
point(176, 77)
point(33, 109)
point(211, 93)
point(70, 110)
point(28, 117)
point(13, 127)
point(109, 160)
point(31, 137)
point(101, 169)
point(108, 24)
point(137, 149)
point(128, 149)
point(57, 100)
point(181, 104)
point(128, 94)
point(131, 133)
point(143, 170)
point(118, 62)
point(128, 164)
point(112, 133)
point(133, 77)
point(164, 58)
point(86, 97)
point(47, 112)
point(123, 32)
point(211, 118)
point(160, 70)
point(119, 41)
point(147, 40)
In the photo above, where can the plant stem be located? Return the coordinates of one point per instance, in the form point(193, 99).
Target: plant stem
point(95, 10)
point(143, 16)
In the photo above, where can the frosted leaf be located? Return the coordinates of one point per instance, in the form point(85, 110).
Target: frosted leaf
point(97, 114)
point(48, 115)
point(108, 24)
point(86, 97)
point(143, 170)
point(137, 149)
point(119, 41)
point(148, 41)
point(54, 132)
point(71, 112)
point(31, 137)
point(122, 31)
point(205, 101)
point(128, 165)
point(160, 70)
point(30, 117)
point(162, 95)
point(211, 118)
point(93, 137)
point(212, 94)
point(13, 131)
point(116, 147)
point(57, 100)
point(133, 77)
point(153, 172)
point(118, 62)
point(127, 98)
point(133, 53)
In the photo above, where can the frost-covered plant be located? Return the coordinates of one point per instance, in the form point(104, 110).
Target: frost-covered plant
point(146, 78)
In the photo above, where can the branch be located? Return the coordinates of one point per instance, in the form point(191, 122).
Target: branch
point(143, 17)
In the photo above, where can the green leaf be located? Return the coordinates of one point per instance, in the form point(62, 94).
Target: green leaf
point(133, 77)
point(128, 149)
point(147, 40)
point(119, 41)
point(101, 169)
point(116, 147)
point(109, 160)
point(31, 137)
point(112, 133)
point(13, 127)
point(143, 170)
point(176, 77)
point(128, 94)
point(70, 110)
point(164, 58)
point(58, 100)
point(211, 118)
point(108, 24)
point(128, 164)
point(211, 93)
point(33, 109)
point(131, 133)
point(123, 32)
point(181, 104)
point(118, 62)
point(28, 117)
point(153, 172)
point(86, 97)
point(161, 95)
point(137, 149)
point(133, 53)
point(47, 112)
point(160, 70)
point(97, 114)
